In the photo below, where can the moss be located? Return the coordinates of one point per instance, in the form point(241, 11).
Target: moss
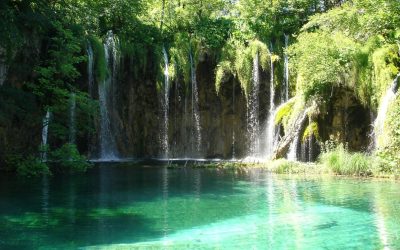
point(223, 69)
point(100, 65)
point(244, 62)
point(284, 110)
point(311, 129)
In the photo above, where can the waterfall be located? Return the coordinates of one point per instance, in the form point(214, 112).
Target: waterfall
point(270, 138)
point(286, 73)
point(72, 119)
point(165, 107)
point(253, 124)
point(195, 106)
point(382, 110)
point(45, 135)
point(90, 66)
point(107, 142)
point(292, 154)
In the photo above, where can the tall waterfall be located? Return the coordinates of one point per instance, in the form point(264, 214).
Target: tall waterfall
point(45, 135)
point(72, 118)
point(270, 135)
point(165, 107)
point(253, 123)
point(108, 149)
point(90, 67)
point(383, 108)
point(195, 106)
point(286, 73)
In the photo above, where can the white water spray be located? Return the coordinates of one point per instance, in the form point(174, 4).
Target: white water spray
point(90, 67)
point(45, 135)
point(383, 109)
point(195, 105)
point(286, 76)
point(253, 123)
point(107, 142)
point(271, 137)
point(165, 107)
point(292, 154)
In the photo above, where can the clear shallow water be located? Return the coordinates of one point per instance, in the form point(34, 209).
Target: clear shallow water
point(117, 206)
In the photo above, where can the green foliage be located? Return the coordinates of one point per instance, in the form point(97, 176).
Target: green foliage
point(100, 64)
point(32, 167)
point(389, 152)
point(311, 130)
point(237, 59)
point(68, 157)
point(321, 60)
point(386, 62)
point(213, 33)
point(285, 110)
point(341, 162)
point(29, 166)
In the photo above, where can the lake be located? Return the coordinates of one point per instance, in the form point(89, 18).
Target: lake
point(137, 206)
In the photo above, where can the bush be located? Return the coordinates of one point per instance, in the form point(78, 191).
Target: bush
point(341, 162)
point(32, 167)
point(68, 157)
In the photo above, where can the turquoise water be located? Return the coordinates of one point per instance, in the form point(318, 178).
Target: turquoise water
point(117, 206)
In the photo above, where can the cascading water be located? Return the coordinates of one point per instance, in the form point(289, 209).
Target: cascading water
point(286, 73)
point(107, 142)
point(253, 124)
point(165, 107)
point(195, 106)
point(382, 111)
point(271, 138)
point(72, 119)
point(292, 154)
point(45, 135)
point(90, 65)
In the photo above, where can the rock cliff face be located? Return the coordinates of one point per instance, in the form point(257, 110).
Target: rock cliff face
point(346, 120)
point(136, 117)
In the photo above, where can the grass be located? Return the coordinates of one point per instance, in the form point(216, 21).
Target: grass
point(336, 161)
point(342, 162)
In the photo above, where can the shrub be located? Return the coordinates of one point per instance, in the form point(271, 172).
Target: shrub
point(342, 162)
point(32, 167)
point(68, 157)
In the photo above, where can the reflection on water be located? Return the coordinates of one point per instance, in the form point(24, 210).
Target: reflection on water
point(130, 206)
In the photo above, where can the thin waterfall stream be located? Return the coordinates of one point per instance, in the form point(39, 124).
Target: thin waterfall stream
point(90, 67)
point(253, 123)
point(379, 123)
point(165, 107)
point(271, 137)
point(45, 135)
point(108, 149)
point(195, 108)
